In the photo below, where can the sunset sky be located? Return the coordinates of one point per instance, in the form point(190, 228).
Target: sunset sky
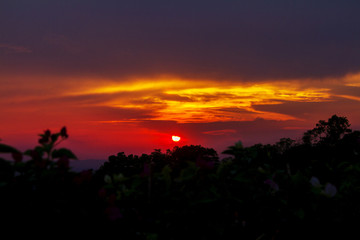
point(127, 75)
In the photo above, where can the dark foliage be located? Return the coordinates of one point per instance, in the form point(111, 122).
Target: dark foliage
point(288, 190)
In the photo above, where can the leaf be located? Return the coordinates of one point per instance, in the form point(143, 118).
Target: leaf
point(300, 213)
point(63, 133)
point(54, 137)
point(37, 149)
point(241, 177)
point(272, 184)
point(47, 147)
point(17, 156)
point(7, 149)
point(204, 201)
point(63, 152)
point(107, 179)
point(188, 173)
point(166, 172)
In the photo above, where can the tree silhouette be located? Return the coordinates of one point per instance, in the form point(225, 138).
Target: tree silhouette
point(328, 132)
point(285, 190)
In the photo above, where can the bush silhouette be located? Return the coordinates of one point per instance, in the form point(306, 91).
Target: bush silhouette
point(287, 190)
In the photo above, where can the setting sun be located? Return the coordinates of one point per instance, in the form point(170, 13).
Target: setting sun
point(175, 138)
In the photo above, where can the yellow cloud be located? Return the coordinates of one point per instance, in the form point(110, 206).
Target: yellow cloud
point(206, 101)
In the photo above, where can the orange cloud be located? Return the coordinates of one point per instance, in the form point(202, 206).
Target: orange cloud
point(352, 79)
point(105, 112)
point(204, 101)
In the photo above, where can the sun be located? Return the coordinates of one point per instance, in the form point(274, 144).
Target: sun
point(175, 138)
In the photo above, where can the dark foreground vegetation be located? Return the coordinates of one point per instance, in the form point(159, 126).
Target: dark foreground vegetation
point(289, 190)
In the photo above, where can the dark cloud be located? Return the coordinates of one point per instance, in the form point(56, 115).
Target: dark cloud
point(204, 39)
point(314, 110)
point(347, 90)
point(296, 109)
point(10, 49)
point(221, 132)
point(249, 132)
point(115, 114)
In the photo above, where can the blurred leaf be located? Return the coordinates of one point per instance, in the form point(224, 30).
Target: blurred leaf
point(204, 201)
point(54, 137)
point(47, 133)
point(300, 213)
point(17, 156)
point(347, 185)
point(241, 177)
point(48, 147)
point(63, 132)
point(63, 152)
point(119, 178)
point(28, 152)
point(136, 182)
point(214, 190)
point(188, 173)
point(272, 184)
point(37, 152)
point(349, 168)
point(107, 179)
point(151, 236)
point(7, 149)
point(166, 172)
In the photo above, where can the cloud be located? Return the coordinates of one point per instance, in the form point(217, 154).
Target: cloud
point(220, 135)
point(233, 40)
point(9, 48)
point(116, 114)
point(62, 43)
point(350, 97)
point(129, 73)
point(353, 91)
point(169, 99)
point(310, 112)
point(220, 132)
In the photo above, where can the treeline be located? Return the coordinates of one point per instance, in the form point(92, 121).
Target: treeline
point(287, 190)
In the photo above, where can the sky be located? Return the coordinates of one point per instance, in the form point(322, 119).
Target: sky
point(124, 76)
